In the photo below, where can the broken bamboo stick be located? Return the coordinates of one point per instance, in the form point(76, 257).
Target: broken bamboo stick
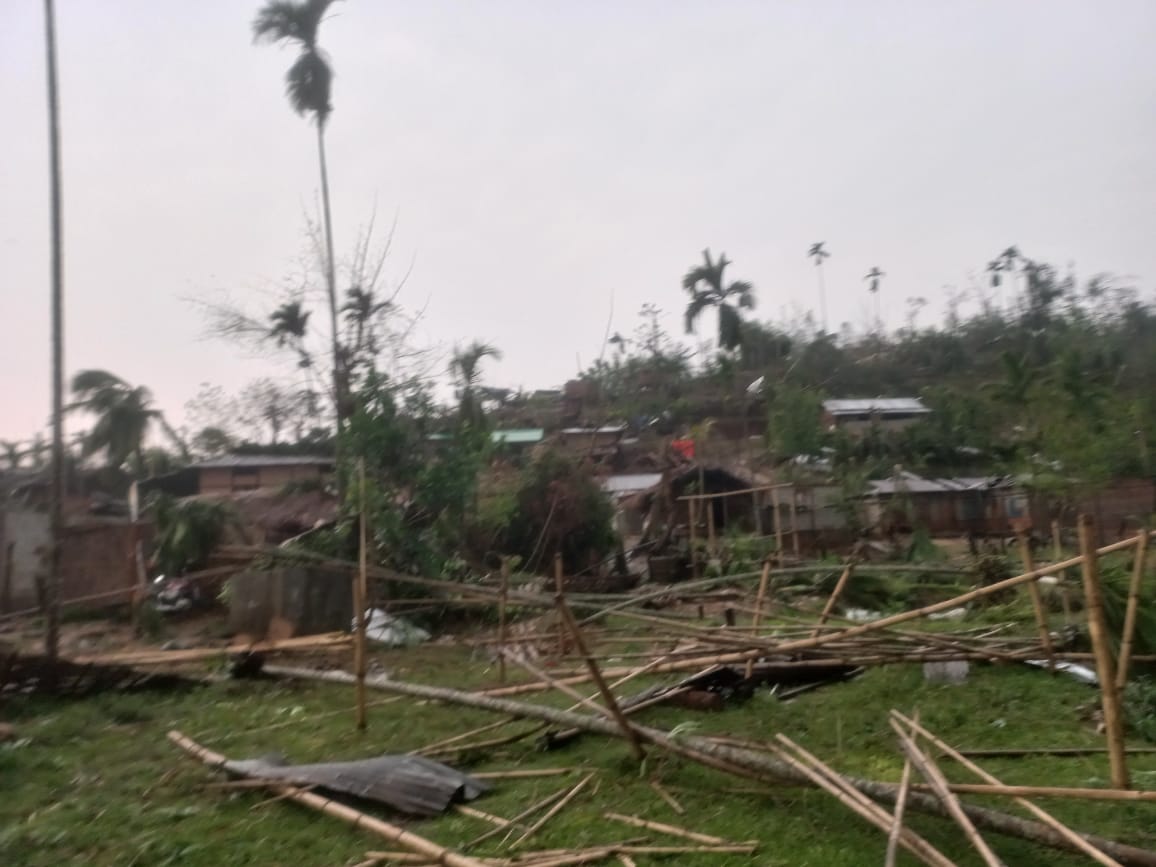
point(1077, 840)
point(833, 599)
point(553, 811)
point(764, 579)
point(667, 796)
point(930, 772)
point(1105, 665)
point(358, 819)
point(672, 830)
point(1076, 793)
point(1037, 602)
point(1130, 612)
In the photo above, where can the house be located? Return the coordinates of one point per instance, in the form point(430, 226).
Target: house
point(982, 505)
point(596, 442)
point(235, 473)
point(857, 415)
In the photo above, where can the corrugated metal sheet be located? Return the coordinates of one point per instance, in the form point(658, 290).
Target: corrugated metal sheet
point(579, 431)
point(910, 483)
point(247, 461)
point(519, 436)
point(876, 406)
point(411, 784)
point(630, 483)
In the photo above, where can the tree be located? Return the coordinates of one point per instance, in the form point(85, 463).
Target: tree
point(465, 368)
point(873, 277)
point(290, 324)
point(819, 253)
point(13, 454)
point(123, 417)
point(307, 85)
point(707, 287)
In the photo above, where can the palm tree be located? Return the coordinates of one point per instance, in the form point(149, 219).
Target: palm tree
point(56, 501)
point(873, 277)
point(819, 253)
point(290, 323)
point(360, 310)
point(13, 454)
point(465, 367)
point(307, 86)
point(123, 414)
point(707, 287)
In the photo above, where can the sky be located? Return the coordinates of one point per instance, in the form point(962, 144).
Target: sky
point(551, 166)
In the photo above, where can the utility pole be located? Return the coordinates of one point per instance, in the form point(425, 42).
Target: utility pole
point(56, 517)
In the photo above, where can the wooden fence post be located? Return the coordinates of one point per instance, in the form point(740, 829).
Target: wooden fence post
point(360, 594)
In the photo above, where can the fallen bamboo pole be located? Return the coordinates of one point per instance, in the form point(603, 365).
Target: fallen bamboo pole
point(1130, 613)
point(755, 766)
point(607, 696)
point(160, 657)
point(838, 787)
point(897, 818)
point(393, 833)
point(671, 830)
point(1015, 753)
point(942, 789)
point(667, 796)
point(1078, 841)
point(529, 811)
point(1105, 665)
point(1068, 793)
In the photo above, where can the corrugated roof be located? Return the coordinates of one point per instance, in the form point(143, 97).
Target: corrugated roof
point(264, 461)
point(606, 429)
point(909, 483)
point(519, 436)
point(630, 483)
point(875, 406)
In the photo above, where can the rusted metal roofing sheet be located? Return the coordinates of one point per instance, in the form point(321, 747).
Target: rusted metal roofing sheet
point(410, 784)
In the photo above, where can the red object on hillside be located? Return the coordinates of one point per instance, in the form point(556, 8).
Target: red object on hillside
point(685, 448)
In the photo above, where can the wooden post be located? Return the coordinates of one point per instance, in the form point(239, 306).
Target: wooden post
point(794, 523)
point(1065, 589)
point(1037, 601)
point(503, 635)
point(711, 543)
point(758, 513)
point(595, 673)
point(360, 592)
point(1130, 614)
point(6, 588)
point(833, 599)
point(778, 523)
point(692, 516)
point(897, 816)
point(559, 589)
point(1105, 665)
point(764, 579)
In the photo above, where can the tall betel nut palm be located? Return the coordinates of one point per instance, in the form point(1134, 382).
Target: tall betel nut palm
point(307, 85)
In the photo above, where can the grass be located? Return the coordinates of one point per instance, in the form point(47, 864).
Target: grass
point(96, 782)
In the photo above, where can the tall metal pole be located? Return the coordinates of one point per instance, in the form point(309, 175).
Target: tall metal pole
point(52, 584)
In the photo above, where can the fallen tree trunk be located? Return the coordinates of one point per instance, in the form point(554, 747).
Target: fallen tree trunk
point(763, 765)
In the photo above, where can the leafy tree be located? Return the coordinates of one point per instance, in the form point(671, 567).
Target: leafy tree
point(707, 287)
point(123, 417)
point(795, 421)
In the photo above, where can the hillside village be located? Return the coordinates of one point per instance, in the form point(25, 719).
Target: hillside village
point(758, 582)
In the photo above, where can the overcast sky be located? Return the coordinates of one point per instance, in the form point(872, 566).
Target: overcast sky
point(545, 157)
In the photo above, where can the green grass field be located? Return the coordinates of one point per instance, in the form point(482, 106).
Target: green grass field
point(96, 782)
